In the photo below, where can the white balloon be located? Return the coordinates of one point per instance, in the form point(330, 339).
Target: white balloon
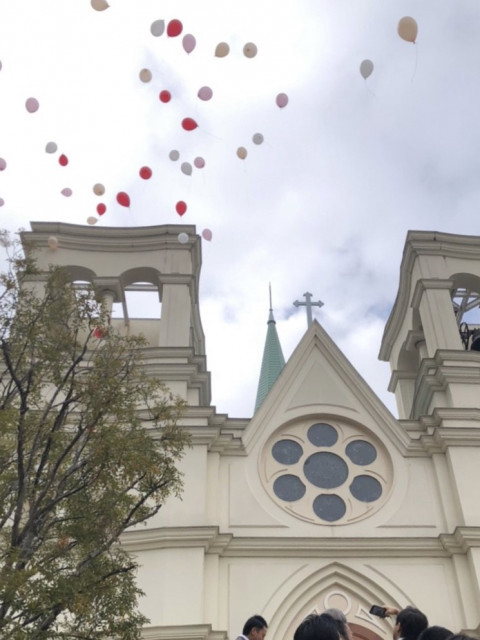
point(174, 155)
point(366, 68)
point(250, 50)
point(51, 147)
point(98, 189)
point(145, 75)
point(99, 5)
point(257, 138)
point(407, 29)
point(222, 49)
point(183, 238)
point(52, 243)
point(92, 220)
point(186, 168)
point(157, 28)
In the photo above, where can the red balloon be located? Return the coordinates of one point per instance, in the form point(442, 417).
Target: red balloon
point(189, 124)
point(181, 207)
point(99, 332)
point(174, 28)
point(123, 199)
point(63, 160)
point(165, 96)
point(101, 208)
point(145, 173)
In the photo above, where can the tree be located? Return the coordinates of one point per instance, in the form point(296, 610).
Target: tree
point(89, 447)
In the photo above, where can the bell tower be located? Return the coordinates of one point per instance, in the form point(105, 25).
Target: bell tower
point(431, 341)
point(160, 263)
point(432, 338)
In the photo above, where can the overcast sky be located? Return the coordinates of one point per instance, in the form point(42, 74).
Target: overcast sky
point(323, 205)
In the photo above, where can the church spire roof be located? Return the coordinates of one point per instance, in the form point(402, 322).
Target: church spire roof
point(273, 360)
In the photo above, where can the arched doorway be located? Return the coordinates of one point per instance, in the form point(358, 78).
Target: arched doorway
point(362, 633)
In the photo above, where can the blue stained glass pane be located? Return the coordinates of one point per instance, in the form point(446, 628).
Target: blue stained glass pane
point(366, 488)
point(289, 488)
point(329, 507)
point(361, 452)
point(287, 451)
point(325, 470)
point(322, 435)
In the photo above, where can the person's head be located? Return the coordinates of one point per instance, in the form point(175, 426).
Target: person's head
point(341, 623)
point(255, 628)
point(410, 624)
point(435, 633)
point(317, 627)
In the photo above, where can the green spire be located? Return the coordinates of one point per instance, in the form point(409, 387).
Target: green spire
point(273, 360)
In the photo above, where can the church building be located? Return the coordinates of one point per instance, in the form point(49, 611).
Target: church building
point(322, 498)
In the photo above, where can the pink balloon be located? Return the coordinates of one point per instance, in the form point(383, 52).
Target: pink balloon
point(3, 164)
point(66, 192)
point(2, 202)
point(199, 162)
point(205, 93)
point(281, 100)
point(207, 234)
point(189, 42)
point(31, 105)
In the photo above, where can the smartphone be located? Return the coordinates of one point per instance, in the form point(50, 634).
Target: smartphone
point(376, 610)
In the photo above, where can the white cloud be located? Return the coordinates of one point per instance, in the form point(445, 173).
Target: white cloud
point(323, 205)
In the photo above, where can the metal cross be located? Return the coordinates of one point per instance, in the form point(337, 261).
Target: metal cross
point(308, 304)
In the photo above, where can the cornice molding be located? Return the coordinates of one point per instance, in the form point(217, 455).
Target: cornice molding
point(108, 239)
point(426, 284)
point(227, 545)
point(461, 541)
point(208, 538)
point(447, 367)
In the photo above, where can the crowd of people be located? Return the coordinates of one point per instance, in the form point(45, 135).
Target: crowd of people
point(410, 624)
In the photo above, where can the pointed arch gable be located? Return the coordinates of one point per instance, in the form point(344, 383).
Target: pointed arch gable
point(334, 585)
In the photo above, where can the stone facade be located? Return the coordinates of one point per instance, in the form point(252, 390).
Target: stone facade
point(323, 498)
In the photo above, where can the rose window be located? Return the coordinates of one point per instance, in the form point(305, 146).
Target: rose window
point(327, 472)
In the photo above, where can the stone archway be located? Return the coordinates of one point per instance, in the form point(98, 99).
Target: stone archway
point(334, 586)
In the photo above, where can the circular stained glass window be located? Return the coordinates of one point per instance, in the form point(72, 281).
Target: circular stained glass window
point(289, 488)
point(287, 451)
point(325, 470)
point(366, 489)
point(322, 435)
point(327, 473)
point(329, 507)
point(361, 452)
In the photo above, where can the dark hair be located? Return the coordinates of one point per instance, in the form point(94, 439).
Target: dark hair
point(435, 633)
point(255, 622)
point(412, 622)
point(340, 620)
point(317, 627)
